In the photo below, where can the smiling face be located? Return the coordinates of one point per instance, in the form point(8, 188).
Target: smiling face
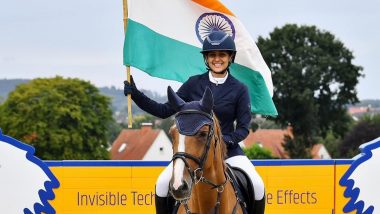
point(218, 61)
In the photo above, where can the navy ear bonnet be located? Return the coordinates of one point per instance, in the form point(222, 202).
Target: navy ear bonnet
point(193, 115)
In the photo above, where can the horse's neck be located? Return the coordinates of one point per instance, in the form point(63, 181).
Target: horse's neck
point(215, 171)
point(214, 174)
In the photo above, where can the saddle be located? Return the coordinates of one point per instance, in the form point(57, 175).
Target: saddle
point(243, 186)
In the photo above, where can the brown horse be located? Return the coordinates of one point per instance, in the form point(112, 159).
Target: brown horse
point(199, 181)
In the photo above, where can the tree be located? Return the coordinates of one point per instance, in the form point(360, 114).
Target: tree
point(113, 131)
point(257, 152)
point(332, 144)
point(296, 147)
point(142, 118)
point(61, 118)
point(314, 79)
point(367, 129)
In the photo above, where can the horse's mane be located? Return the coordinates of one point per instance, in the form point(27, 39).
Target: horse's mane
point(218, 134)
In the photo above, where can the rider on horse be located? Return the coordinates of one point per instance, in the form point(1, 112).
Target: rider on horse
point(231, 106)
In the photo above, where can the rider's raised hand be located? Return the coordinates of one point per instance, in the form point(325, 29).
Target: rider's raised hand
point(129, 88)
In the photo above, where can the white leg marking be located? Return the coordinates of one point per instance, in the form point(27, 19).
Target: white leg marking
point(179, 165)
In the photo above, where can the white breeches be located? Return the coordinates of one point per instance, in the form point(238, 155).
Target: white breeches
point(241, 161)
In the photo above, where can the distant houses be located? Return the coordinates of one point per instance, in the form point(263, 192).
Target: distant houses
point(358, 112)
point(145, 143)
point(272, 139)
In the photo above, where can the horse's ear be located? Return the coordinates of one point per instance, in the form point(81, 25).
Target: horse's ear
point(174, 100)
point(207, 101)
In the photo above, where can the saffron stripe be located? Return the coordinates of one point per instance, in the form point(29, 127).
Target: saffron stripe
point(214, 5)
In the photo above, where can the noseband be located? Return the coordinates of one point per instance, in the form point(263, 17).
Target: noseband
point(196, 174)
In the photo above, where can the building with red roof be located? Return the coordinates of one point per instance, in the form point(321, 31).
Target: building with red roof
point(272, 139)
point(145, 143)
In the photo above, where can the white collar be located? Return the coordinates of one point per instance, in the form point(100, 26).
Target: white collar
point(216, 80)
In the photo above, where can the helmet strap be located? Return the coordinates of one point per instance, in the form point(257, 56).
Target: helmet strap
point(206, 63)
point(233, 55)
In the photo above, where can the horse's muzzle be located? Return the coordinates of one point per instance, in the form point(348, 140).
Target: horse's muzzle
point(182, 192)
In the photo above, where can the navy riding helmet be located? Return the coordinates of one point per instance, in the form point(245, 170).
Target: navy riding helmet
point(219, 41)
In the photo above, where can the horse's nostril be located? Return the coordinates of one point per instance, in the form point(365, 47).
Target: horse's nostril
point(184, 186)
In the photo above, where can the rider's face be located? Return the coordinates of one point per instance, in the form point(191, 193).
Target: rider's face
point(218, 60)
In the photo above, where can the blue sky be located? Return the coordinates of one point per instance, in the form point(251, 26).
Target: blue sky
point(84, 38)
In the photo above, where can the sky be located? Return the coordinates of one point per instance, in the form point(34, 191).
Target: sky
point(84, 38)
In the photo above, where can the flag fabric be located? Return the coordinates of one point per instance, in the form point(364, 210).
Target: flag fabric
point(164, 39)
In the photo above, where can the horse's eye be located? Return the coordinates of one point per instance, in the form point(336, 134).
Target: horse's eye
point(202, 134)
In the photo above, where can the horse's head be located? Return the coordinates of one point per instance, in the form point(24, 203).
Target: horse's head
point(194, 142)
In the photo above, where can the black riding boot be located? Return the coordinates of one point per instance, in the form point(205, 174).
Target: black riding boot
point(259, 206)
point(164, 205)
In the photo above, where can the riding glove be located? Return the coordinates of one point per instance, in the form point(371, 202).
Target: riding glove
point(129, 87)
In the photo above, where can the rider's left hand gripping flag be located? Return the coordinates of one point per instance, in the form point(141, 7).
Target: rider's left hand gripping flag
point(164, 39)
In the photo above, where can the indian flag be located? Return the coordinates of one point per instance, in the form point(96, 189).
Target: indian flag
point(164, 39)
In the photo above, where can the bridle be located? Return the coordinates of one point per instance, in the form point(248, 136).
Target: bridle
point(197, 174)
